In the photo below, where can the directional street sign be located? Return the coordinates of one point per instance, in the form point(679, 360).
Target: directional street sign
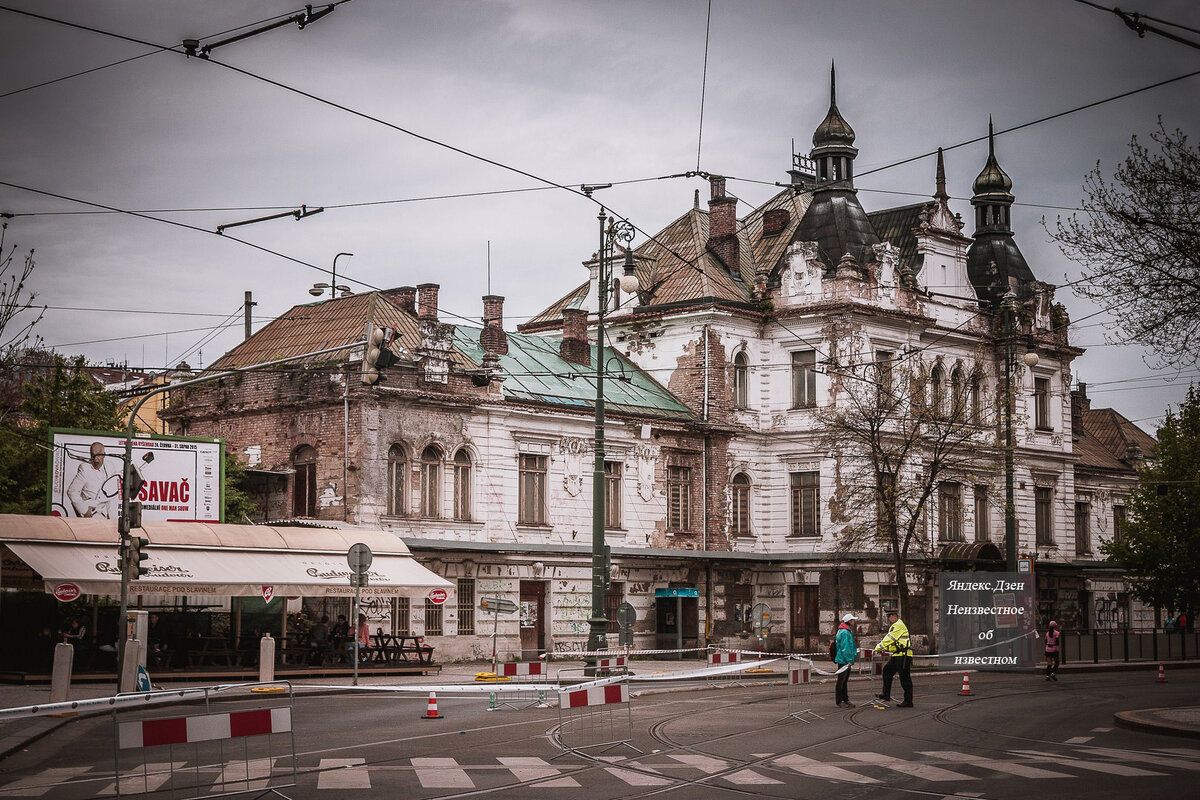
point(497, 605)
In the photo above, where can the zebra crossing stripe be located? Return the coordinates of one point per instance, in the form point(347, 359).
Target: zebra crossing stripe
point(343, 773)
point(246, 775)
point(637, 778)
point(749, 777)
point(1008, 767)
point(926, 772)
point(1145, 758)
point(38, 785)
point(525, 768)
point(706, 764)
point(149, 778)
point(441, 773)
point(1094, 766)
point(808, 766)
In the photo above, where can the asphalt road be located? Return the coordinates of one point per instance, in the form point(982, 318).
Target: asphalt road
point(1015, 737)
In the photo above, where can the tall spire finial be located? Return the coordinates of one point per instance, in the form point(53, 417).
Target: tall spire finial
point(941, 178)
point(832, 83)
point(991, 139)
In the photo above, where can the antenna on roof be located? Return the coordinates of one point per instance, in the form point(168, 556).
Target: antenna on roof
point(489, 266)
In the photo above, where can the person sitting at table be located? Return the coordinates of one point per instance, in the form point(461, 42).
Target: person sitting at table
point(318, 641)
point(362, 641)
point(341, 636)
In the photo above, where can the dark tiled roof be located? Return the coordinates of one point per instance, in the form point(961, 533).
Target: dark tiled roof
point(896, 225)
point(1001, 249)
point(837, 223)
point(1111, 431)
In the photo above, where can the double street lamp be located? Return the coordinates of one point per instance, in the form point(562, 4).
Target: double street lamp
point(611, 232)
point(1008, 310)
point(333, 286)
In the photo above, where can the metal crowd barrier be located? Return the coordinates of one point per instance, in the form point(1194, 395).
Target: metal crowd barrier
point(595, 715)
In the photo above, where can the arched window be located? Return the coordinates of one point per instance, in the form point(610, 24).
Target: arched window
point(976, 399)
point(741, 380)
point(431, 478)
point(304, 482)
point(935, 391)
point(462, 485)
point(397, 481)
point(739, 512)
point(958, 400)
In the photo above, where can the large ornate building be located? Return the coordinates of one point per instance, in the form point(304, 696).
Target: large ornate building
point(748, 337)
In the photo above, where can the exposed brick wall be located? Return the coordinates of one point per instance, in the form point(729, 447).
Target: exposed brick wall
point(688, 379)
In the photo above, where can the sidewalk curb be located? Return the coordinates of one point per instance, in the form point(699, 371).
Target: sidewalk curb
point(1149, 720)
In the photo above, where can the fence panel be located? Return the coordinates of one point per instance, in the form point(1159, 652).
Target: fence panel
point(595, 715)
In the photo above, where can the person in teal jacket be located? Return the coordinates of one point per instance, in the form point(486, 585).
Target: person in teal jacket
point(847, 651)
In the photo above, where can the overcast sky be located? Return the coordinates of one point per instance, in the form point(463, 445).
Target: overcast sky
point(570, 92)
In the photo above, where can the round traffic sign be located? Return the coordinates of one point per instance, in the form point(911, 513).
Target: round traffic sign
point(626, 615)
point(359, 557)
point(437, 596)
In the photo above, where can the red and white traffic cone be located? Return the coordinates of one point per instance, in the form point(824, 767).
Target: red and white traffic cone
point(432, 712)
point(1162, 674)
point(966, 687)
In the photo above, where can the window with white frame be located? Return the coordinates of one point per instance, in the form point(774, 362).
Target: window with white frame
point(950, 511)
point(1041, 404)
point(397, 481)
point(679, 499)
point(741, 380)
point(462, 485)
point(531, 489)
point(431, 482)
point(1043, 515)
point(739, 506)
point(1083, 527)
point(806, 503)
point(1118, 522)
point(982, 519)
point(804, 379)
point(613, 470)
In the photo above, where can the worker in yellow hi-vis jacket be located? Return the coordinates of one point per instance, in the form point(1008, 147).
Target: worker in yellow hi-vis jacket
point(897, 645)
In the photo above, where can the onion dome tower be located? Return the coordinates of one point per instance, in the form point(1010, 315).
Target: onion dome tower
point(994, 243)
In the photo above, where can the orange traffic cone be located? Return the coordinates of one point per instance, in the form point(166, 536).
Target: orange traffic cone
point(966, 687)
point(432, 711)
point(1162, 674)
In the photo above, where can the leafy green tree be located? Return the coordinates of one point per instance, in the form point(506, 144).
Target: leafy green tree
point(1160, 544)
point(61, 395)
point(239, 504)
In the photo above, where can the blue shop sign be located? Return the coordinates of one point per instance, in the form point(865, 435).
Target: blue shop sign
point(676, 592)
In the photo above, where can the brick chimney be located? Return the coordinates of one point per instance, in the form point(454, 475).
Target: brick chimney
point(492, 338)
point(722, 225)
point(1080, 405)
point(406, 299)
point(575, 347)
point(428, 299)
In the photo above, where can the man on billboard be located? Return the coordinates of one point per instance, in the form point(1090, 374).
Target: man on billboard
point(96, 486)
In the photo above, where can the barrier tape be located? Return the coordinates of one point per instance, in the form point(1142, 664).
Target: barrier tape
point(985, 647)
point(116, 701)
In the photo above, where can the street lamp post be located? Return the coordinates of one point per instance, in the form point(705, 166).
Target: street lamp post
point(318, 289)
point(610, 232)
point(1008, 307)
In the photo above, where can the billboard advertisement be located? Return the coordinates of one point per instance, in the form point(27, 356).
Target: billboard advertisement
point(183, 476)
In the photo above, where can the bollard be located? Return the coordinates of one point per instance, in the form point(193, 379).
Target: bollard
point(266, 659)
point(60, 678)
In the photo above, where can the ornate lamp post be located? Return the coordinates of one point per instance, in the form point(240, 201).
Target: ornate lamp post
point(611, 231)
point(334, 287)
point(1008, 308)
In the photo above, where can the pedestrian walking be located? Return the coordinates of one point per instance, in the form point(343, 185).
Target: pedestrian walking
point(897, 645)
point(1053, 658)
point(847, 651)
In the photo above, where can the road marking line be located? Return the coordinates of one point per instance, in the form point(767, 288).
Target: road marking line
point(1094, 766)
point(923, 771)
point(144, 779)
point(1190, 752)
point(808, 766)
point(636, 778)
point(1101, 730)
point(998, 766)
point(343, 773)
point(706, 764)
point(38, 785)
point(253, 774)
point(1158, 761)
point(441, 773)
point(749, 777)
point(532, 768)
point(1079, 740)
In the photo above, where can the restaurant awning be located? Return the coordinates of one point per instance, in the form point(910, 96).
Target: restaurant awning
point(197, 558)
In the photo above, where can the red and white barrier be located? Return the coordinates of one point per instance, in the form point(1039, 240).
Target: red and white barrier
point(521, 669)
point(724, 658)
point(203, 728)
point(616, 662)
point(594, 696)
point(798, 675)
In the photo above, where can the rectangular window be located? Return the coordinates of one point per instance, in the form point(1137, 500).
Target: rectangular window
point(304, 497)
point(433, 618)
point(531, 490)
point(397, 476)
point(679, 499)
point(1083, 528)
point(403, 617)
point(883, 370)
point(1118, 522)
point(431, 495)
point(950, 512)
point(983, 522)
point(612, 493)
point(806, 504)
point(1041, 403)
point(613, 597)
point(466, 606)
point(462, 488)
point(804, 379)
point(1043, 508)
point(739, 506)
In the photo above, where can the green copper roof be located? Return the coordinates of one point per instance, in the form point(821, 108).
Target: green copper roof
point(534, 372)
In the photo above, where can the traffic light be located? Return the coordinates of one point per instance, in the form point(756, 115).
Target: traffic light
point(132, 481)
point(135, 557)
point(123, 552)
point(377, 355)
